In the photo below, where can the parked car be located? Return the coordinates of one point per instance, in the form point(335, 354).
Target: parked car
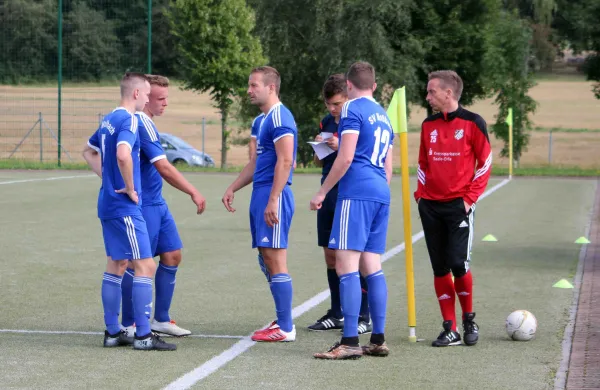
point(180, 152)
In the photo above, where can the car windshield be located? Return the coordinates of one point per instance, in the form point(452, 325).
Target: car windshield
point(178, 142)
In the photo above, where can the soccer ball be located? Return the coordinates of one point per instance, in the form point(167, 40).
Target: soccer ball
point(521, 325)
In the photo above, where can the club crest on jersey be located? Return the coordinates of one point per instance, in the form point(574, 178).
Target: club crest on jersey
point(458, 134)
point(433, 136)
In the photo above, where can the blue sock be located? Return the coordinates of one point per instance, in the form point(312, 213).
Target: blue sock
point(263, 267)
point(165, 286)
point(334, 288)
point(364, 301)
point(111, 301)
point(142, 304)
point(281, 288)
point(377, 300)
point(127, 299)
point(350, 298)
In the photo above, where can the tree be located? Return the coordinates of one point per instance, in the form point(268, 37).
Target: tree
point(578, 25)
point(489, 48)
point(217, 51)
point(310, 40)
point(28, 41)
point(539, 15)
point(455, 35)
point(507, 61)
point(89, 54)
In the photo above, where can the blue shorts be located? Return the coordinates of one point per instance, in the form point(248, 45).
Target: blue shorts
point(162, 229)
point(360, 225)
point(262, 235)
point(126, 238)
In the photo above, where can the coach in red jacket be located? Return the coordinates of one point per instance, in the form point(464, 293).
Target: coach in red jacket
point(455, 160)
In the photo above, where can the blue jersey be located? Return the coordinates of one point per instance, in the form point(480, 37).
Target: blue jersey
point(277, 123)
point(118, 127)
point(151, 151)
point(328, 125)
point(365, 179)
point(256, 125)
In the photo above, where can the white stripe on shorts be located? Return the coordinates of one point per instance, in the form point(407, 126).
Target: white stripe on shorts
point(135, 249)
point(471, 233)
point(279, 216)
point(277, 227)
point(344, 217)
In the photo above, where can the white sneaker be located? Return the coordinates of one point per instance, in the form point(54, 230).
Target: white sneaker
point(169, 328)
point(129, 331)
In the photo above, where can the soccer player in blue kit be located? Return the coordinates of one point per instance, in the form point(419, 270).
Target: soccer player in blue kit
point(272, 201)
point(335, 95)
point(363, 168)
point(119, 210)
point(164, 237)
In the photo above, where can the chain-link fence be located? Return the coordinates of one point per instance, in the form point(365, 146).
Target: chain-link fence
point(96, 41)
point(55, 57)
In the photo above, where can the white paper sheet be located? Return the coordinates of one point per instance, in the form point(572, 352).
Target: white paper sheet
point(321, 149)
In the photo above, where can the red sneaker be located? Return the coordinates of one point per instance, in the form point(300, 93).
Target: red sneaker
point(274, 333)
point(270, 326)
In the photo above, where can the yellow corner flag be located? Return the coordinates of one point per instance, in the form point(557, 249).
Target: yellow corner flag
point(394, 111)
point(509, 117)
point(397, 114)
point(509, 121)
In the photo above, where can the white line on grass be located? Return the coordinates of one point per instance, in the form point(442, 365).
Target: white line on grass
point(44, 179)
point(201, 372)
point(75, 332)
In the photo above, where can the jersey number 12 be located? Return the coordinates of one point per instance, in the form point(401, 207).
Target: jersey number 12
point(381, 137)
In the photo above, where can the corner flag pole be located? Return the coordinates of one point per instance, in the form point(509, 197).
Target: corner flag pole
point(509, 121)
point(397, 114)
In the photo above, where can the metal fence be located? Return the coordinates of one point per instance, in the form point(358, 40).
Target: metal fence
point(55, 55)
point(60, 62)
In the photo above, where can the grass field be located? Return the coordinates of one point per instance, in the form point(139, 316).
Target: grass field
point(54, 258)
point(563, 104)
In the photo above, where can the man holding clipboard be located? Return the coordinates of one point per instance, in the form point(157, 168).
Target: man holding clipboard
point(325, 147)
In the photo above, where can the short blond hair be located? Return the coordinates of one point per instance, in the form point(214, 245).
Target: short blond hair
point(130, 82)
point(270, 76)
point(160, 81)
point(450, 79)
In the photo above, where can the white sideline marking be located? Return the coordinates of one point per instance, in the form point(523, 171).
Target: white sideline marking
point(45, 179)
point(75, 332)
point(188, 380)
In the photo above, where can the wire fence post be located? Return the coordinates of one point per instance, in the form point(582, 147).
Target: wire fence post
point(203, 127)
point(41, 139)
point(149, 36)
point(60, 54)
point(550, 147)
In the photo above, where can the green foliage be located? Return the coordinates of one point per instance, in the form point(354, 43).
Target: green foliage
point(538, 14)
point(102, 39)
point(83, 46)
point(512, 79)
point(311, 40)
point(28, 40)
point(217, 51)
point(491, 58)
point(455, 36)
point(577, 23)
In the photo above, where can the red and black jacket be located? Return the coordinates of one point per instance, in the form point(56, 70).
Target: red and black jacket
point(455, 157)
